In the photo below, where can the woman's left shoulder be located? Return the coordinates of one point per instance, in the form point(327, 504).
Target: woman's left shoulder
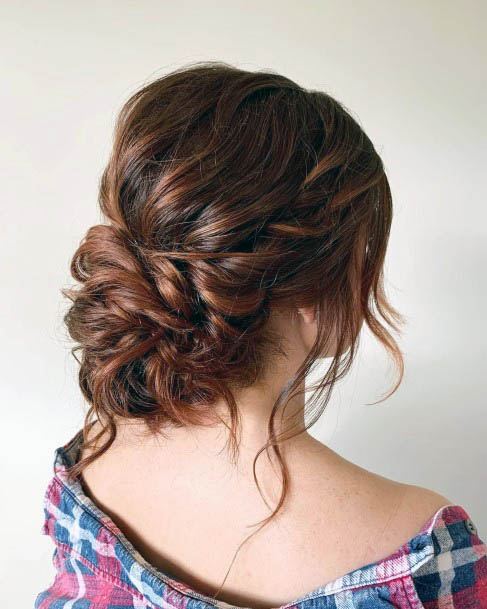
point(454, 571)
point(422, 500)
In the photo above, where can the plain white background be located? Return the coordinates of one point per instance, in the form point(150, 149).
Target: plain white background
point(412, 73)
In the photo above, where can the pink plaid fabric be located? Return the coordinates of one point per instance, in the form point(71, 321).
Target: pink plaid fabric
point(444, 566)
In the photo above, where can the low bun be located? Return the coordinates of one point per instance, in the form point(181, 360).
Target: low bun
point(149, 322)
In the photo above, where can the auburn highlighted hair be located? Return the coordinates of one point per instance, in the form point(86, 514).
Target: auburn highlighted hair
point(228, 193)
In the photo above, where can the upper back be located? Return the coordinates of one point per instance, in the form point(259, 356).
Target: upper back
point(187, 515)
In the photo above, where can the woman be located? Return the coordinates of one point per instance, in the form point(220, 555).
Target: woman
point(247, 220)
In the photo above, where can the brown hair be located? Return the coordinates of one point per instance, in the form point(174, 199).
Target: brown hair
point(227, 193)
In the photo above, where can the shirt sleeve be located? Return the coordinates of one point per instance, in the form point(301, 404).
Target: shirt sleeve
point(455, 575)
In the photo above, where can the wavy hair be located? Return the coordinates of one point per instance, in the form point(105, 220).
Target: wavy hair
point(227, 193)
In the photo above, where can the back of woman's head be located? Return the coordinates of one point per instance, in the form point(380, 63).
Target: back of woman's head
point(228, 194)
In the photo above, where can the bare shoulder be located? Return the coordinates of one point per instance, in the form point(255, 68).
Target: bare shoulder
point(385, 511)
point(425, 499)
point(406, 507)
point(379, 514)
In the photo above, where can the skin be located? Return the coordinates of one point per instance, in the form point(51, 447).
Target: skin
point(186, 507)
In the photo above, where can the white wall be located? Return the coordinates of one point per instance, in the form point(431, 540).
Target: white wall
point(409, 71)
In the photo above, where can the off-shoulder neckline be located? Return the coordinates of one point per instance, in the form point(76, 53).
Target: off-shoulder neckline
point(404, 559)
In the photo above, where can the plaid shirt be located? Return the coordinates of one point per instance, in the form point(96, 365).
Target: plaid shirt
point(444, 566)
